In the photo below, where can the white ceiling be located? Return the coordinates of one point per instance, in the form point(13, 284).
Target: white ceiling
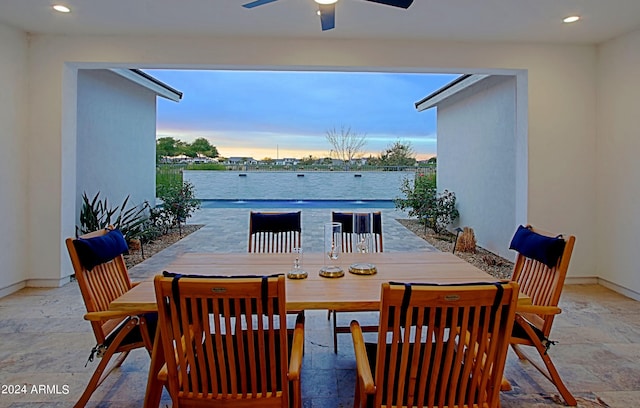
point(458, 20)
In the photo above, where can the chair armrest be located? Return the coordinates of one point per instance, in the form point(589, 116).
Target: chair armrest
point(539, 310)
point(106, 315)
point(363, 370)
point(297, 348)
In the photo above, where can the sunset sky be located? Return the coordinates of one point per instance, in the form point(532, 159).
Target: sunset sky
point(287, 114)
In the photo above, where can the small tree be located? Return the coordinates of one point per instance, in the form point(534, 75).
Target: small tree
point(179, 203)
point(346, 144)
point(169, 146)
point(399, 153)
point(443, 213)
point(201, 146)
point(419, 195)
point(435, 211)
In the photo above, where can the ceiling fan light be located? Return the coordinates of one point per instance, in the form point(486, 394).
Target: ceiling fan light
point(571, 19)
point(326, 1)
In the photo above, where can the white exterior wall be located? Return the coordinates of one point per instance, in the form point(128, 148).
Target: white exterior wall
point(561, 116)
point(477, 159)
point(618, 164)
point(14, 167)
point(116, 133)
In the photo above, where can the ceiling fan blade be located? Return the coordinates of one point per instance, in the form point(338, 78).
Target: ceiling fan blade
point(395, 3)
point(327, 16)
point(257, 3)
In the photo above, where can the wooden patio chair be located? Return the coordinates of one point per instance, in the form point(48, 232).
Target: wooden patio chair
point(102, 277)
point(350, 239)
point(274, 232)
point(438, 346)
point(225, 342)
point(540, 268)
point(349, 244)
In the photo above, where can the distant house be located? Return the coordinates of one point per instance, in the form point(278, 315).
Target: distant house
point(201, 158)
point(287, 161)
point(241, 160)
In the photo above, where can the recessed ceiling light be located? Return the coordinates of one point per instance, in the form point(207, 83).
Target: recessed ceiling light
point(571, 19)
point(326, 1)
point(61, 8)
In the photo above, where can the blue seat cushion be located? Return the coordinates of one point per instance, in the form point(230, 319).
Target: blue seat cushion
point(283, 222)
point(98, 250)
point(536, 246)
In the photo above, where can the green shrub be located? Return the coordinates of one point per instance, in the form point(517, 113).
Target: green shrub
point(179, 203)
point(444, 212)
point(419, 194)
point(435, 211)
point(96, 214)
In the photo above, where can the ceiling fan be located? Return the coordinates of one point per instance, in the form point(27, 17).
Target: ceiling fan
point(327, 9)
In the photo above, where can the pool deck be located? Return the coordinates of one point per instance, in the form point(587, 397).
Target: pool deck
point(225, 231)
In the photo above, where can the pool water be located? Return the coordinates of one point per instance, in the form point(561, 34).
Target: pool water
point(291, 187)
point(297, 204)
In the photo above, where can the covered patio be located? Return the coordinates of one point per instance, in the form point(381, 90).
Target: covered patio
point(576, 89)
point(46, 341)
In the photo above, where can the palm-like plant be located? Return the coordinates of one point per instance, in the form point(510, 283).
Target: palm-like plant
point(97, 214)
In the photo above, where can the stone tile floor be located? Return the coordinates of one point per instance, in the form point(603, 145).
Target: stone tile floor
point(45, 341)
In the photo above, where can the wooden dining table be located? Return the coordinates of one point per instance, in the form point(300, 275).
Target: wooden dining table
point(348, 293)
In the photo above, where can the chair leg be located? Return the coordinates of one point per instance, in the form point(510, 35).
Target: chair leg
point(518, 352)
point(356, 395)
point(99, 375)
point(505, 385)
point(550, 373)
point(297, 394)
point(335, 332)
point(555, 377)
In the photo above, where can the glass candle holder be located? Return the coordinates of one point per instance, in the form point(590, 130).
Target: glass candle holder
point(363, 232)
point(332, 247)
point(363, 243)
point(297, 272)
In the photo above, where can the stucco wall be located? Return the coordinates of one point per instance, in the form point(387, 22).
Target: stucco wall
point(14, 166)
point(116, 132)
point(618, 164)
point(477, 159)
point(561, 130)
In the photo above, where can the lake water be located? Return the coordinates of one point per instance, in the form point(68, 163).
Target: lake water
point(299, 186)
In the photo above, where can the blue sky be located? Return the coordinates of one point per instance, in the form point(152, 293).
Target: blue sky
point(287, 114)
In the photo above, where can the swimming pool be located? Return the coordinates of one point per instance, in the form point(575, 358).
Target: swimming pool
point(297, 204)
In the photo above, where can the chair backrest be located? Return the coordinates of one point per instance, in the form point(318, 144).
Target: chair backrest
point(348, 237)
point(443, 345)
point(274, 232)
point(225, 338)
point(542, 283)
point(99, 284)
